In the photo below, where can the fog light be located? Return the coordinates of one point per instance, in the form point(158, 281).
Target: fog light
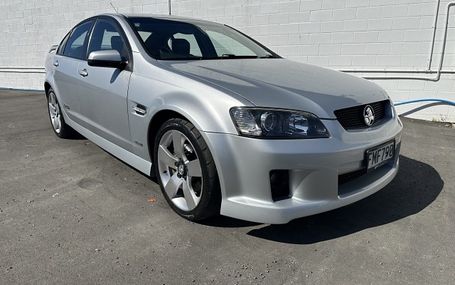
point(279, 184)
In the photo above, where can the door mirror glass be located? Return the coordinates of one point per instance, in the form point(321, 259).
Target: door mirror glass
point(106, 58)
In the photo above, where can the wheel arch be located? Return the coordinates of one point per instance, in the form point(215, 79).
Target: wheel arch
point(157, 120)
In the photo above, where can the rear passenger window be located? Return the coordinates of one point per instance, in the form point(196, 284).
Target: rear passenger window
point(62, 44)
point(76, 45)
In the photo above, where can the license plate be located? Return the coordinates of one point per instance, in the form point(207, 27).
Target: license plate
point(379, 155)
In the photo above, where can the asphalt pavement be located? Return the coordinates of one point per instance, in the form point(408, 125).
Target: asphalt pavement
point(70, 213)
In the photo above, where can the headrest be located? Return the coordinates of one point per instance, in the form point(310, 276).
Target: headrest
point(117, 43)
point(181, 46)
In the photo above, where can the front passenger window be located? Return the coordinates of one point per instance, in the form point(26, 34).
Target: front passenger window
point(76, 46)
point(105, 36)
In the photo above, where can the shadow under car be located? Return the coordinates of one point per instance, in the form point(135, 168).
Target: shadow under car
point(416, 186)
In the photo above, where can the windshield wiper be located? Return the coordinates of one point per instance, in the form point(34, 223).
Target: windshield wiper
point(230, 55)
point(183, 58)
point(268, 56)
point(223, 56)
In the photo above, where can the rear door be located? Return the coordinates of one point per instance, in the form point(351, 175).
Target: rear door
point(70, 54)
point(105, 89)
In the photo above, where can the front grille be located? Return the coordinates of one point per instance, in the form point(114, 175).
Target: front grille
point(352, 117)
point(344, 188)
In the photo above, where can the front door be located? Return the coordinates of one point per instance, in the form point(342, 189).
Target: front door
point(104, 98)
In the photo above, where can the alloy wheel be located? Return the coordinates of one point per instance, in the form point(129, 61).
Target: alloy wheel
point(180, 170)
point(54, 112)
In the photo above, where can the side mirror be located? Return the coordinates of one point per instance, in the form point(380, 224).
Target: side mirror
point(106, 58)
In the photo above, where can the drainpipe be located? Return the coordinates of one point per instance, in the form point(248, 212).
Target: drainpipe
point(438, 72)
point(435, 27)
point(170, 7)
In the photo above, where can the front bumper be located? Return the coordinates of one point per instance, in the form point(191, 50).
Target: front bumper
point(314, 165)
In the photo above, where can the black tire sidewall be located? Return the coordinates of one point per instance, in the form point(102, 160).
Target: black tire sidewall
point(208, 205)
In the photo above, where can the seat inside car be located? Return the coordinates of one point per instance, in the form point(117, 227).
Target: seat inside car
point(181, 47)
point(156, 44)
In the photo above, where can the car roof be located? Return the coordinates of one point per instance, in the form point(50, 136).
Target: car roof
point(171, 18)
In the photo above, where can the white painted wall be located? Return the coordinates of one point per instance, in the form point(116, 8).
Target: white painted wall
point(340, 34)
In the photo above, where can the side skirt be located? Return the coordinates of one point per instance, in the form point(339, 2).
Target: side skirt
point(135, 161)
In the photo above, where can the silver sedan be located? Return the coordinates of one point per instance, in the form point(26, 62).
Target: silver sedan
point(224, 124)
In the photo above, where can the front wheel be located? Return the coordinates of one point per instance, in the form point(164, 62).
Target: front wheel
point(186, 171)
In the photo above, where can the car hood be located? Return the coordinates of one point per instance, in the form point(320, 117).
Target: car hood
point(282, 83)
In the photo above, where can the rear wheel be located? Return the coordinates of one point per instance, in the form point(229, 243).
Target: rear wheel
point(186, 171)
point(61, 129)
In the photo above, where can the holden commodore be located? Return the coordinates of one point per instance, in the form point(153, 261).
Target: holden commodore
point(225, 125)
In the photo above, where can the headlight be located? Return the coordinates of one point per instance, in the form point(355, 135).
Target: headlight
point(277, 123)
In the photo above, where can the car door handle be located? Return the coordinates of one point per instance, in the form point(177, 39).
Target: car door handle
point(83, 72)
point(56, 63)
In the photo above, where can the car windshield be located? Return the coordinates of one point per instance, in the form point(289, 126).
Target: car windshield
point(175, 40)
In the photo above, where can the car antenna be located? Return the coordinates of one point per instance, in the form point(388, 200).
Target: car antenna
point(113, 7)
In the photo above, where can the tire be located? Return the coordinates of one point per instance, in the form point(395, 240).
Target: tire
point(60, 128)
point(192, 192)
